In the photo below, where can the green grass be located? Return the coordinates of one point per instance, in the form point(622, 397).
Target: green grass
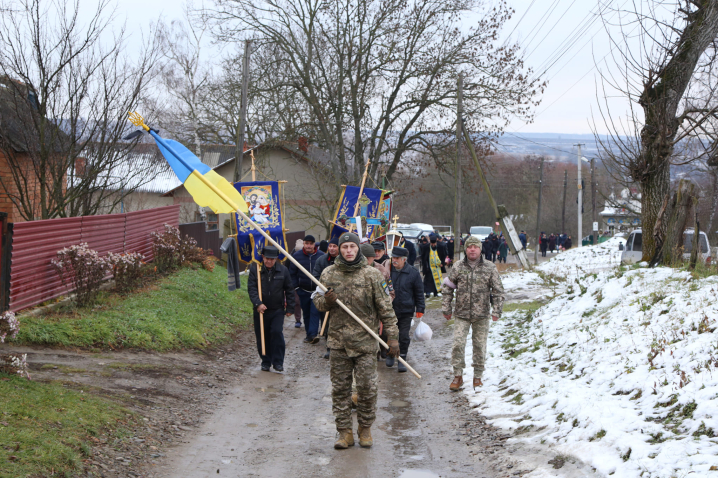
point(532, 306)
point(188, 309)
point(46, 428)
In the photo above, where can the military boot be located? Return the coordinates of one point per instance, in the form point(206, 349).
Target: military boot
point(390, 361)
point(400, 366)
point(365, 439)
point(457, 383)
point(478, 382)
point(345, 439)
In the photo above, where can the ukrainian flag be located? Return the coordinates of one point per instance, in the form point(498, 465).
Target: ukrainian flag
point(207, 188)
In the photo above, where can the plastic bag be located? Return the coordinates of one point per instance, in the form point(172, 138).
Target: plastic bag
point(422, 332)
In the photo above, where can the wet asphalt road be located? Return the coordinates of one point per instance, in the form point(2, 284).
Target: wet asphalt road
point(276, 425)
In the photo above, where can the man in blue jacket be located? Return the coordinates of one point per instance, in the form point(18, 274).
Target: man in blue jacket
point(307, 257)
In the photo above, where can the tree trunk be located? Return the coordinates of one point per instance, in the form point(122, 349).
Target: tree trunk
point(654, 188)
point(682, 203)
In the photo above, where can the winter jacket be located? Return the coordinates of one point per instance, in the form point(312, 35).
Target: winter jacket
point(552, 242)
point(522, 238)
point(503, 249)
point(479, 292)
point(365, 292)
point(322, 263)
point(567, 244)
point(408, 290)
point(277, 288)
point(300, 280)
point(409, 246)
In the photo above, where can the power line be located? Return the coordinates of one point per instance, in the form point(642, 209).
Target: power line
point(521, 19)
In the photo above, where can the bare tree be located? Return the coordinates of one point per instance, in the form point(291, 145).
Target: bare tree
point(378, 77)
point(185, 78)
point(64, 97)
point(665, 56)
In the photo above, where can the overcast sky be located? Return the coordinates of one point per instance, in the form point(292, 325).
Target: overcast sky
point(541, 27)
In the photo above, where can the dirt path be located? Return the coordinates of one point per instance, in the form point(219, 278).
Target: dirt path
point(274, 424)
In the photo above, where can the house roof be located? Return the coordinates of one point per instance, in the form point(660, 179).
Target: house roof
point(313, 153)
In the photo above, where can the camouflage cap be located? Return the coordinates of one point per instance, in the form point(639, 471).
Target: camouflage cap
point(472, 241)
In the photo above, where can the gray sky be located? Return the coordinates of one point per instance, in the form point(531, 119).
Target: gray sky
point(541, 27)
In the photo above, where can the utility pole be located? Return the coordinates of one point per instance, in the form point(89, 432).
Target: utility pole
point(580, 200)
point(593, 202)
point(538, 214)
point(563, 209)
point(457, 199)
point(239, 149)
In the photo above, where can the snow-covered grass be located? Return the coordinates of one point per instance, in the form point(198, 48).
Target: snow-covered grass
point(618, 370)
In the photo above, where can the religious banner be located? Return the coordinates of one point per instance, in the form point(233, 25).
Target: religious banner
point(374, 212)
point(262, 199)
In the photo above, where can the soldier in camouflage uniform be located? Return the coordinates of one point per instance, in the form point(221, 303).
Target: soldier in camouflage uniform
point(363, 289)
point(478, 289)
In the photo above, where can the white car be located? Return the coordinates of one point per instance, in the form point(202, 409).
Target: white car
point(634, 247)
point(481, 232)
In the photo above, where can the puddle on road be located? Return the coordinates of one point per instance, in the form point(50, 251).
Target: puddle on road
point(266, 390)
point(399, 403)
point(418, 474)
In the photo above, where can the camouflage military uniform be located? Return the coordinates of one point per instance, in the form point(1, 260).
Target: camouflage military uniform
point(478, 289)
point(363, 290)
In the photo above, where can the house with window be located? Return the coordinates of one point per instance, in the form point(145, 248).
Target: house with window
point(622, 212)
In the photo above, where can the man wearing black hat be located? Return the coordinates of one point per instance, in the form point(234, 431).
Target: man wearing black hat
point(408, 299)
point(380, 250)
point(307, 257)
point(432, 263)
point(276, 302)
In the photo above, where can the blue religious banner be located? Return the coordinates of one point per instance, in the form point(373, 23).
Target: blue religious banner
point(262, 198)
point(373, 215)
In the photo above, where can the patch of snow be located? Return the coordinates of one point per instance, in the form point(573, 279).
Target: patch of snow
point(618, 370)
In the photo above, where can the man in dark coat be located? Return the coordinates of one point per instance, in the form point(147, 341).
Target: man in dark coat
point(552, 242)
point(543, 244)
point(276, 302)
point(307, 257)
point(495, 243)
point(432, 278)
point(450, 248)
point(408, 299)
point(523, 239)
point(322, 263)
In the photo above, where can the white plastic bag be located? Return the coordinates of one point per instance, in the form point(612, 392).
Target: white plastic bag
point(422, 332)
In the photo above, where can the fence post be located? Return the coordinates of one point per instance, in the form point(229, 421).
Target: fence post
point(5, 258)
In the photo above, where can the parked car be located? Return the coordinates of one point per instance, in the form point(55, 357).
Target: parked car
point(633, 251)
point(481, 232)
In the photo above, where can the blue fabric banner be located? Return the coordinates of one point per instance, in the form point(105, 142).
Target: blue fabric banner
point(370, 207)
point(262, 198)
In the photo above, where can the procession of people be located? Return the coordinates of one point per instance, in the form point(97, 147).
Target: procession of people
point(388, 294)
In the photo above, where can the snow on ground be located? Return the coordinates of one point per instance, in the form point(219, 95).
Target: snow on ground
point(577, 261)
point(618, 370)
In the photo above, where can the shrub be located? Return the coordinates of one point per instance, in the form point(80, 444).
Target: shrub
point(12, 364)
point(171, 250)
point(127, 269)
point(9, 326)
point(84, 269)
point(166, 248)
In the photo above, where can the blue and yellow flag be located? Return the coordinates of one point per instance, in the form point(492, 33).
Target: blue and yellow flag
point(207, 188)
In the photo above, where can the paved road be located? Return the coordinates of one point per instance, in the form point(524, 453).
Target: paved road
point(282, 425)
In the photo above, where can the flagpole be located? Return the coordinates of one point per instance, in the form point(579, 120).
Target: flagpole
point(138, 121)
point(259, 273)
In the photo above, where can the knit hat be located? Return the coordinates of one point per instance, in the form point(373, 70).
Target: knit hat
point(348, 237)
point(472, 241)
point(367, 250)
point(334, 240)
point(309, 238)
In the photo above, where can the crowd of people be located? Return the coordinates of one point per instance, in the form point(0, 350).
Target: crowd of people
point(386, 294)
point(554, 243)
